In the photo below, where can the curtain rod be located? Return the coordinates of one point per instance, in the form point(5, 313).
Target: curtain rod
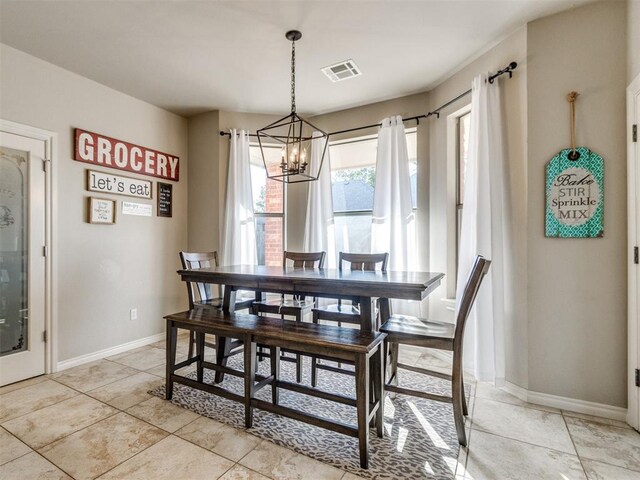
point(508, 70)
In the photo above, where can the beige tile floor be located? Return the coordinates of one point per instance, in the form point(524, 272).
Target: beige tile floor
point(97, 421)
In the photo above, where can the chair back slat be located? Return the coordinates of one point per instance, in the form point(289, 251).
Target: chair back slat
point(198, 292)
point(304, 259)
point(478, 272)
point(367, 262)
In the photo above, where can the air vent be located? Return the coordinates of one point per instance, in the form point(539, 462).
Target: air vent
point(342, 71)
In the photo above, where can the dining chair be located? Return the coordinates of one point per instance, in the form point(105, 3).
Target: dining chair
point(206, 294)
point(297, 306)
point(341, 312)
point(406, 330)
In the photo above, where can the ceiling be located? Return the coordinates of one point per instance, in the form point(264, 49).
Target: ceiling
point(194, 56)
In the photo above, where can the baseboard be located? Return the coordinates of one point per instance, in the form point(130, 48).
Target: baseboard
point(107, 352)
point(565, 403)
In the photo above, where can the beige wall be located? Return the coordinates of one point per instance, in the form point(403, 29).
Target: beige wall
point(633, 39)
point(577, 287)
point(514, 94)
point(101, 271)
point(204, 182)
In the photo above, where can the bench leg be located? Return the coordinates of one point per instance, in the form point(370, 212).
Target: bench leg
point(200, 355)
point(377, 385)
point(314, 360)
point(275, 371)
point(172, 341)
point(298, 356)
point(223, 349)
point(362, 405)
point(249, 379)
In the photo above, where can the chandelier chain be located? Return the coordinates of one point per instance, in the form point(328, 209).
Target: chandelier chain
point(293, 76)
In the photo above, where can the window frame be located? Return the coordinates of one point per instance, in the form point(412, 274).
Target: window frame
point(282, 215)
point(454, 207)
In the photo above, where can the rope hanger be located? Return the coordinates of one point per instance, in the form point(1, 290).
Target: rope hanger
point(571, 98)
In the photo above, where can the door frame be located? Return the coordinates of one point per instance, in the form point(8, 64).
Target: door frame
point(50, 140)
point(633, 199)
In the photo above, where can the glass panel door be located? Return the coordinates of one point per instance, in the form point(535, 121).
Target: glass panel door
point(14, 251)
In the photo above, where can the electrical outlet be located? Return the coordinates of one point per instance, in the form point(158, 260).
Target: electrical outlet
point(133, 314)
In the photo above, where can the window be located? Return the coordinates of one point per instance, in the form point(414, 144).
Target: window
point(462, 135)
point(268, 207)
point(353, 176)
point(457, 152)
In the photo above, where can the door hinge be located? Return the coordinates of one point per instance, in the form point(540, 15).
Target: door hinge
point(45, 162)
point(637, 377)
point(636, 255)
point(44, 336)
point(45, 251)
point(634, 133)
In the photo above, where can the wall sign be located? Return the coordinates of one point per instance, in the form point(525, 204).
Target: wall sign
point(117, 184)
point(575, 195)
point(108, 152)
point(138, 209)
point(102, 210)
point(165, 199)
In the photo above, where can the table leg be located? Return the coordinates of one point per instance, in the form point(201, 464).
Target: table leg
point(223, 345)
point(367, 314)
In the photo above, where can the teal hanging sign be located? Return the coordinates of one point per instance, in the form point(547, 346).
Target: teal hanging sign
point(575, 195)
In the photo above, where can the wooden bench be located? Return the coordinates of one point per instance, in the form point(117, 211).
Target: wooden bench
point(364, 349)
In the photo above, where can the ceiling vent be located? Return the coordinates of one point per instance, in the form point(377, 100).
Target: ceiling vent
point(342, 71)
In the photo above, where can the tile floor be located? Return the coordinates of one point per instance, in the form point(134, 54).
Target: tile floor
point(98, 421)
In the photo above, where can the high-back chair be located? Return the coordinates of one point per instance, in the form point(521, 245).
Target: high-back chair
point(205, 294)
point(346, 312)
point(406, 330)
point(297, 306)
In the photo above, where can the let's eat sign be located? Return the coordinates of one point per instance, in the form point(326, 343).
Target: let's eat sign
point(109, 152)
point(118, 184)
point(575, 195)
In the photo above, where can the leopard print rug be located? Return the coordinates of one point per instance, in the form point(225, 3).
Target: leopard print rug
point(419, 435)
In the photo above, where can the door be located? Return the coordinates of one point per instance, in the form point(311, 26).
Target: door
point(633, 119)
point(22, 257)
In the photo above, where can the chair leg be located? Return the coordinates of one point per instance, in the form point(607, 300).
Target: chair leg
point(275, 371)
point(456, 393)
point(377, 389)
point(314, 360)
point(362, 404)
point(200, 355)
point(298, 356)
point(465, 411)
point(192, 341)
point(172, 340)
point(249, 379)
point(223, 349)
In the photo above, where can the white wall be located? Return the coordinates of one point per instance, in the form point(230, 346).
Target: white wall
point(102, 271)
point(577, 309)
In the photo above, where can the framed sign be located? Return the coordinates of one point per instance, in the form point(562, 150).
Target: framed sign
point(102, 211)
point(138, 209)
point(575, 195)
point(165, 199)
point(117, 184)
point(109, 152)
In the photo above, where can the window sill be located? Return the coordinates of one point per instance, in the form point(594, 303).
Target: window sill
point(449, 303)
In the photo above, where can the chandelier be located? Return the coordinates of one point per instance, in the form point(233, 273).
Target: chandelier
point(294, 161)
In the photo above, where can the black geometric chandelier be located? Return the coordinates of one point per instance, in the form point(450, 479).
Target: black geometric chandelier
point(295, 161)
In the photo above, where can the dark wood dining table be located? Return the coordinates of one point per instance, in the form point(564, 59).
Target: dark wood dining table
point(363, 287)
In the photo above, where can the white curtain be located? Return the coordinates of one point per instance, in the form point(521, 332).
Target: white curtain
point(239, 235)
point(393, 223)
point(319, 231)
point(483, 233)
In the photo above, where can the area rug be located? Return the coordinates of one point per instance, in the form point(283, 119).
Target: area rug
point(419, 435)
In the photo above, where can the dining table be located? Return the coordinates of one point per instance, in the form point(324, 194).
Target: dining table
point(363, 287)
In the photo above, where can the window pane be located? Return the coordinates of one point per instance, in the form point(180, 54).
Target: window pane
point(463, 151)
point(353, 233)
point(352, 189)
point(268, 195)
point(269, 240)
